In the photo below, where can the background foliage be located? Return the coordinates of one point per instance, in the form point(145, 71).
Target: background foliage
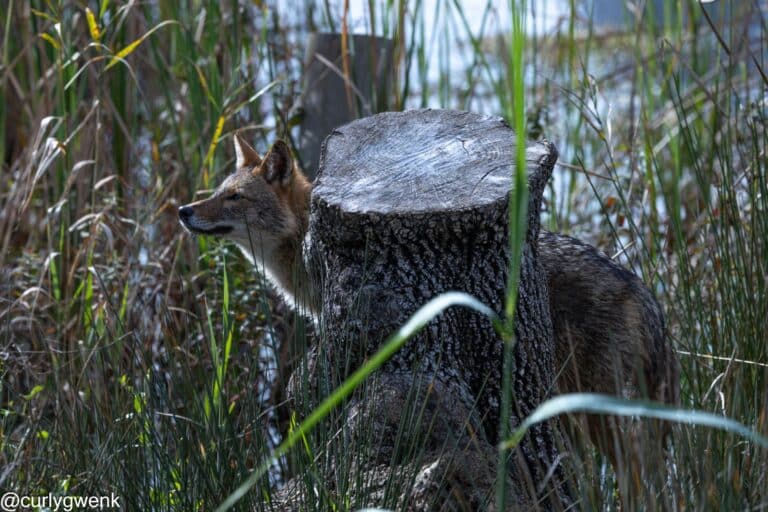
point(134, 361)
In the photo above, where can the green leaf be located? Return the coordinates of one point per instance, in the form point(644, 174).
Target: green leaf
point(603, 404)
point(49, 38)
point(122, 54)
point(93, 27)
point(35, 390)
point(208, 162)
point(138, 406)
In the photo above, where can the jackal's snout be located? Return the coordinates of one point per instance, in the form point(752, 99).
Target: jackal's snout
point(197, 224)
point(186, 216)
point(185, 213)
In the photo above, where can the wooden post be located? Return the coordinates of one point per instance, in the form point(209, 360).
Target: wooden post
point(407, 206)
point(326, 100)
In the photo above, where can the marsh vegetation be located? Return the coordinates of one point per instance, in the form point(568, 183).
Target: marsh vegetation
point(137, 360)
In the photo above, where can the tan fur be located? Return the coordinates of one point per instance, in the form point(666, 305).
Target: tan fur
point(267, 221)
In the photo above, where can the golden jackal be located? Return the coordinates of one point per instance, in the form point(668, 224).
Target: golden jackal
point(609, 330)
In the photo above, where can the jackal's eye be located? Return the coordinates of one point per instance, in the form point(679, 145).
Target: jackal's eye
point(233, 197)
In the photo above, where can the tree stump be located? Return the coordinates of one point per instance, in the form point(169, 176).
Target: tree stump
point(407, 206)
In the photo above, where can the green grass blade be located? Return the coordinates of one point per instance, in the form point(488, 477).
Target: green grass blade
point(604, 404)
point(517, 226)
point(129, 48)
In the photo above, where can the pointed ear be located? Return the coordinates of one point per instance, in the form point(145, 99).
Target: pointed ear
point(278, 164)
point(245, 155)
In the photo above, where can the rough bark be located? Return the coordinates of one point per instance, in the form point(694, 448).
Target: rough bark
point(408, 206)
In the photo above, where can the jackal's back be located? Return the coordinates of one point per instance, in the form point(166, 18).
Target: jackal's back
point(609, 328)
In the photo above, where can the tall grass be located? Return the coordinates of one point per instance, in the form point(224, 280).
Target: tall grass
point(514, 110)
point(135, 361)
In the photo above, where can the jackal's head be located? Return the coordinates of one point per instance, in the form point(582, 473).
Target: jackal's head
point(263, 206)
